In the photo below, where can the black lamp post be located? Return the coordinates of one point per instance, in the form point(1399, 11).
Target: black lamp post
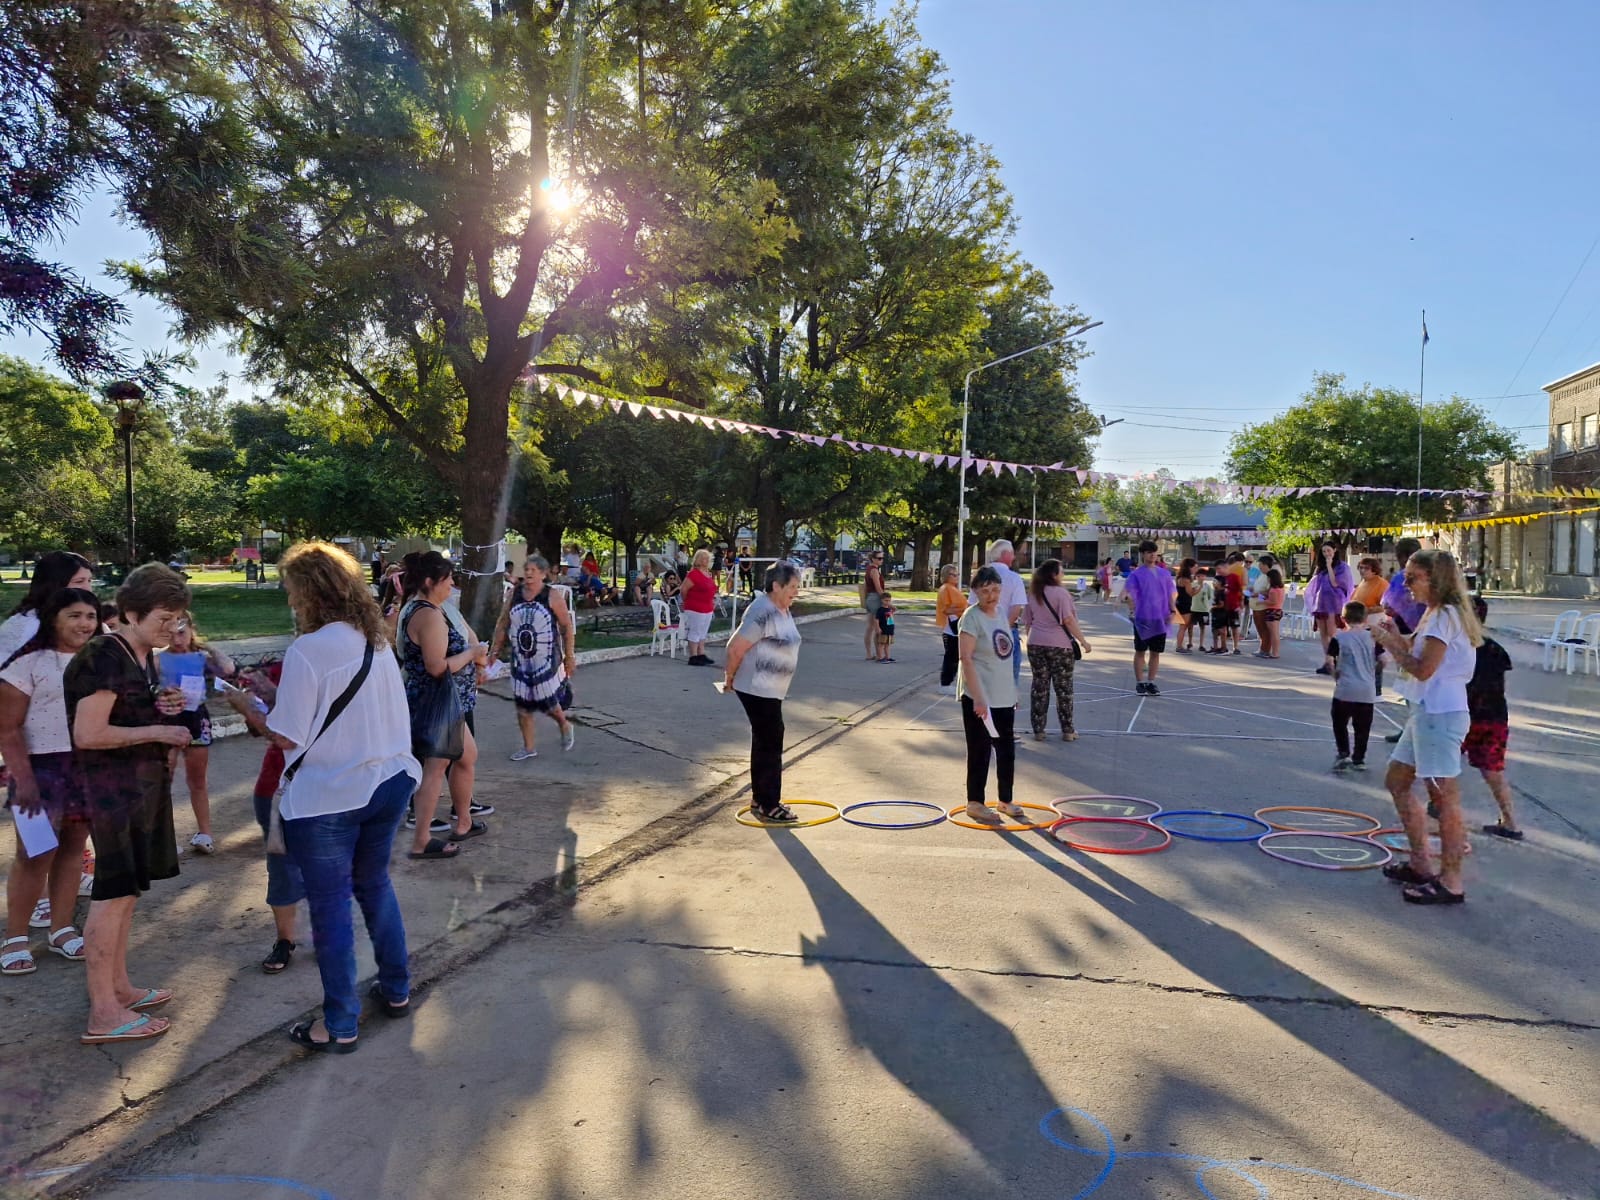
point(128, 397)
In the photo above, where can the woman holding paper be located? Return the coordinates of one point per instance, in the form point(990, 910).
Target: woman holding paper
point(52, 820)
point(117, 710)
point(988, 694)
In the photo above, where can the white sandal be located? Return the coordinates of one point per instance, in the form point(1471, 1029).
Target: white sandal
point(17, 962)
point(72, 948)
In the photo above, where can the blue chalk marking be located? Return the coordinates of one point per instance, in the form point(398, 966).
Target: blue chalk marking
point(1239, 1168)
point(293, 1185)
point(303, 1189)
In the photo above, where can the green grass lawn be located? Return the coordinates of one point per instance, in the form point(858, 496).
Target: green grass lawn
point(221, 611)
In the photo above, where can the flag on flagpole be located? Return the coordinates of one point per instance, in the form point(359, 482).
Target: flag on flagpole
point(1424, 330)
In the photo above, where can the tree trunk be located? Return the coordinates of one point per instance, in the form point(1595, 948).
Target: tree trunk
point(769, 517)
point(921, 552)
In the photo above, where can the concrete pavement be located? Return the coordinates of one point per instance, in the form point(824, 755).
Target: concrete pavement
point(840, 1011)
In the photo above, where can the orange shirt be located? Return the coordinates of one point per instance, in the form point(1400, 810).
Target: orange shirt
point(1369, 592)
point(951, 604)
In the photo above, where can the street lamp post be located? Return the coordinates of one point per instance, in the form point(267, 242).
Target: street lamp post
point(966, 395)
point(128, 397)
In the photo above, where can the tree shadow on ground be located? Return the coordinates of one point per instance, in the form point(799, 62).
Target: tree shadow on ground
point(1456, 1101)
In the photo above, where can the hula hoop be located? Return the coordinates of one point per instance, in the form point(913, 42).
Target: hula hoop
point(1096, 805)
point(1115, 822)
point(832, 816)
point(1021, 827)
point(850, 808)
point(1373, 823)
point(1365, 845)
point(1259, 827)
point(1394, 839)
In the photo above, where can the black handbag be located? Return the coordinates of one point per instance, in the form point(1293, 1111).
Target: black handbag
point(438, 722)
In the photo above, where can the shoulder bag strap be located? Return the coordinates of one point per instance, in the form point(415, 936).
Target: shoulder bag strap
point(337, 707)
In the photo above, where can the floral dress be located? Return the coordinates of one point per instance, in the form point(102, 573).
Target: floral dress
point(538, 675)
point(415, 670)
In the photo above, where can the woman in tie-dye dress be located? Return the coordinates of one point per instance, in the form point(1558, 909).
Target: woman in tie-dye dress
point(538, 625)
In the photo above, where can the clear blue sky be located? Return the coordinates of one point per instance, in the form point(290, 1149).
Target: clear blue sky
point(1247, 193)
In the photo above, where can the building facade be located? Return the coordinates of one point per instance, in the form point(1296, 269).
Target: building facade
point(1571, 566)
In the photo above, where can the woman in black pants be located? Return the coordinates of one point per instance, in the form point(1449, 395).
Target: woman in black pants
point(988, 696)
point(761, 660)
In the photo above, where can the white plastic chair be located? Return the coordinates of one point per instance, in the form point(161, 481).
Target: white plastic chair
point(1566, 626)
point(1587, 648)
point(1296, 623)
point(664, 628)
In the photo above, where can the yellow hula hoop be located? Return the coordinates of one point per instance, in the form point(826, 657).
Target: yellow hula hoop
point(823, 820)
point(1021, 827)
point(1283, 827)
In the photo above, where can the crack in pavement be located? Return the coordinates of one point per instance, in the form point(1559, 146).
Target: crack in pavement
point(1138, 984)
point(1556, 813)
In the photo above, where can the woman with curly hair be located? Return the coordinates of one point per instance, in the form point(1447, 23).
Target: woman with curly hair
point(341, 719)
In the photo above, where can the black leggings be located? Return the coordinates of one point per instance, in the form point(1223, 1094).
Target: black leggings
point(978, 746)
point(1352, 712)
point(766, 750)
point(952, 658)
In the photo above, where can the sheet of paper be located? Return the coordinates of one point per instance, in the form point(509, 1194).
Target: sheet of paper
point(35, 833)
point(988, 723)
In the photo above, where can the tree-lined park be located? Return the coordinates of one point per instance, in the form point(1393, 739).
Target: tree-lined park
point(394, 213)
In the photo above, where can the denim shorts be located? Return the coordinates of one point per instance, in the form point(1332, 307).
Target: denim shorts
point(1431, 742)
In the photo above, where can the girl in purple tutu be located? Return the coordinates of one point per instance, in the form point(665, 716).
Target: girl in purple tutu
point(1328, 593)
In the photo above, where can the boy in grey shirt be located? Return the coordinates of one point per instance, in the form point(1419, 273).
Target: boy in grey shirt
point(1353, 661)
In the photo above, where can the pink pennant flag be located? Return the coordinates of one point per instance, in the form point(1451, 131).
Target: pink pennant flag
point(635, 407)
point(1012, 467)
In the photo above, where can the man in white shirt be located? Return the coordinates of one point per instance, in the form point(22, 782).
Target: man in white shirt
point(1013, 593)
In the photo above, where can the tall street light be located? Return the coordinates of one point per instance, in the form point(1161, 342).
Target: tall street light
point(966, 393)
point(128, 397)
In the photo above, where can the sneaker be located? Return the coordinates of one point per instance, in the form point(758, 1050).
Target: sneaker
point(1139, 687)
point(1341, 764)
point(41, 915)
point(482, 810)
point(1324, 670)
point(947, 689)
point(569, 736)
point(86, 883)
point(1151, 689)
point(437, 825)
point(523, 755)
point(1358, 764)
point(1392, 738)
point(201, 843)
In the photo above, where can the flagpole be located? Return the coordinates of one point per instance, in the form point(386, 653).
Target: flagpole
point(1422, 375)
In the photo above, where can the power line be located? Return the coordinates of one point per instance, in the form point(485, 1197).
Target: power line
point(1552, 315)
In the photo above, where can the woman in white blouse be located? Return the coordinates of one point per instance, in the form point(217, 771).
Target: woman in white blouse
point(341, 807)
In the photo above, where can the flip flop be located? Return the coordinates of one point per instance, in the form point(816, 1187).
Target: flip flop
point(387, 1006)
point(153, 998)
point(302, 1033)
point(1499, 830)
point(436, 848)
point(478, 830)
point(1432, 892)
point(133, 1031)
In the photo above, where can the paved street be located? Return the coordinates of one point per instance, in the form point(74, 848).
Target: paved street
point(837, 1011)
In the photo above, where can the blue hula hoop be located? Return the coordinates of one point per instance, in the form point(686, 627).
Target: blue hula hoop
point(845, 813)
point(1160, 819)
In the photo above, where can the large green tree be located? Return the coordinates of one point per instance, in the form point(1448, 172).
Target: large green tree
point(1157, 501)
point(414, 198)
point(1367, 437)
point(86, 101)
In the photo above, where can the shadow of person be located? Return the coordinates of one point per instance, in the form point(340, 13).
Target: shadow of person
point(960, 1061)
point(1457, 1101)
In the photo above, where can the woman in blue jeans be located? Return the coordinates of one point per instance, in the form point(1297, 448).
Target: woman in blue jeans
point(342, 722)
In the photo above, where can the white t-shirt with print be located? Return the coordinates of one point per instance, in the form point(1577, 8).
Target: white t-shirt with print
point(38, 677)
point(1013, 591)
